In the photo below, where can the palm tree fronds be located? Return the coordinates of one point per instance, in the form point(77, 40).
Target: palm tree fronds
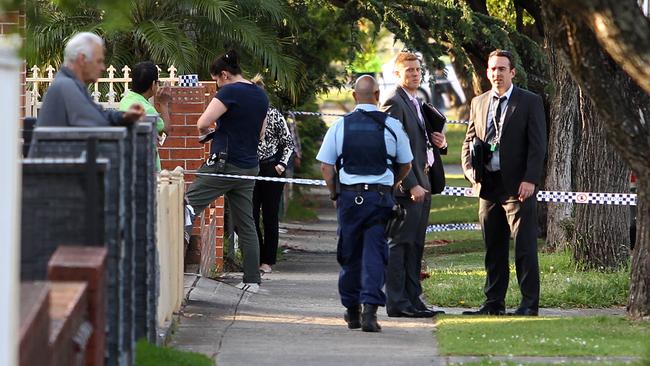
point(166, 43)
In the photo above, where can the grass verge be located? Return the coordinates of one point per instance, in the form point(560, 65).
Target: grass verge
point(455, 136)
point(452, 209)
point(300, 208)
point(146, 354)
point(457, 277)
point(488, 362)
point(543, 336)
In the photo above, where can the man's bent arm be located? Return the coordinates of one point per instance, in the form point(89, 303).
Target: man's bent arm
point(328, 175)
point(404, 169)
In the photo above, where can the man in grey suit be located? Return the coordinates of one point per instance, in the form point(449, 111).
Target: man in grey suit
point(511, 125)
point(403, 289)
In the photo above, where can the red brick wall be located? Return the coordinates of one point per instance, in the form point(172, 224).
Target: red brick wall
point(14, 22)
point(183, 149)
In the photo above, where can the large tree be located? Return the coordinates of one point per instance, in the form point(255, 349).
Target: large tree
point(583, 37)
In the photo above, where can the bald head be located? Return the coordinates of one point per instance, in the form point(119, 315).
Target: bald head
point(366, 90)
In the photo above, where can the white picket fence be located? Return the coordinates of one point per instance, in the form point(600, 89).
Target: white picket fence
point(39, 81)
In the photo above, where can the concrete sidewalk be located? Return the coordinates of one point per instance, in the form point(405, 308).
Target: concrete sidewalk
point(296, 319)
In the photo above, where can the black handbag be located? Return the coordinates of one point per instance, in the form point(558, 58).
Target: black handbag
point(477, 153)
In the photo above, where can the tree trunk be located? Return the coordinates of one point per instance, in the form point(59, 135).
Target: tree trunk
point(622, 31)
point(625, 108)
point(563, 142)
point(638, 305)
point(466, 79)
point(601, 238)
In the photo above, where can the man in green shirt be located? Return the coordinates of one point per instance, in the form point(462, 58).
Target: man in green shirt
point(143, 86)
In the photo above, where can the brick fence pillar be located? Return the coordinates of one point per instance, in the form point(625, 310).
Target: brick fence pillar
point(183, 149)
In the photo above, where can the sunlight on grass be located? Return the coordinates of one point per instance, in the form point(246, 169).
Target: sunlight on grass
point(547, 336)
point(488, 362)
point(457, 277)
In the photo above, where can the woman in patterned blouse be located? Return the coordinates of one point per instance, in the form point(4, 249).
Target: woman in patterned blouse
point(274, 152)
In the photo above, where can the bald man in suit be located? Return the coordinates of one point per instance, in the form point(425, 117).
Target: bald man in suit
point(511, 124)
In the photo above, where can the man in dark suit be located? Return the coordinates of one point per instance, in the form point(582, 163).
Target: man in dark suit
point(511, 124)
point(403, 287)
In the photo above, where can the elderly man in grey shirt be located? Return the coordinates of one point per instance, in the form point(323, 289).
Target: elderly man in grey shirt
point(67, 101)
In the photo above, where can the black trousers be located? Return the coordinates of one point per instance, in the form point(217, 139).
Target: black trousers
point(502, 215)
point(403, 288)
point(266, 198)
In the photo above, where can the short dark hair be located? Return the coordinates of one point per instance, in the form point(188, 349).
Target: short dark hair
point(228, 62)
point(144, 75)
point(506, 54)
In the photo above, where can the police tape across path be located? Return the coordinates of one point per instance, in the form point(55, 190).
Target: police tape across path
point(319, 114)
point(625, 199)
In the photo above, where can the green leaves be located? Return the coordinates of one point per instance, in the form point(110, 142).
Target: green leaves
point(167, 43)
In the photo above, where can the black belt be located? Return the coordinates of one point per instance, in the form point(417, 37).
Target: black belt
point(361, 187)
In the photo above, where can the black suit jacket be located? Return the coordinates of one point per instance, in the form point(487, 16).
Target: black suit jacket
point(400, 107)
point(522, 147)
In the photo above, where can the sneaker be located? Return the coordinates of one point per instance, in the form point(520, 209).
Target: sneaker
point(189, 222)
point(249, 287)
point(265, 268)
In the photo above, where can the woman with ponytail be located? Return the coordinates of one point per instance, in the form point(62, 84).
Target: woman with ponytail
point(238, 114)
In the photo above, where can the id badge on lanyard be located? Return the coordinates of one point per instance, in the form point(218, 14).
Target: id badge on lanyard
point(494, 144)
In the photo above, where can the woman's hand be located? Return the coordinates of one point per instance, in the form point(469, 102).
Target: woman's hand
point(280, 169)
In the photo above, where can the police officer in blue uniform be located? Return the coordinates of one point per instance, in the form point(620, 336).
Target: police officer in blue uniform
point(365, 154)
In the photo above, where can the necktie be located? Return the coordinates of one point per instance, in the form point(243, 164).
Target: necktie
point(418, 111)
point(491, 131)
point(430, 157)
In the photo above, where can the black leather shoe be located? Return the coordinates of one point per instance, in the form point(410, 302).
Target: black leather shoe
point(524, 312)
point(485, 310)
point(411, 312)
point(352, 316)
point(431, 309)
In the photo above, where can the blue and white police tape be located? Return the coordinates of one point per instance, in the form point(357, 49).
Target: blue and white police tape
point(452, 227)
point(625, 199)
point(452, 122)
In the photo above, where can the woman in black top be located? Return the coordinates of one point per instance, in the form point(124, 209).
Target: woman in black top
point(274, 151)
point(239, 112)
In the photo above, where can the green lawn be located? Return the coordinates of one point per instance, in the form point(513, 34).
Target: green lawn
point(300, 207)
point(455, 135)
point(543, 336)
point(488, 362)
point(453, 209)
point(457, 276)
point(147, 354)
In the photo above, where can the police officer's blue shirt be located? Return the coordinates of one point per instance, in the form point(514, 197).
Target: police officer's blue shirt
point(332, 147)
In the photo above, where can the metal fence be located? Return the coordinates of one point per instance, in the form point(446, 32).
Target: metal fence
point(106, 91)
